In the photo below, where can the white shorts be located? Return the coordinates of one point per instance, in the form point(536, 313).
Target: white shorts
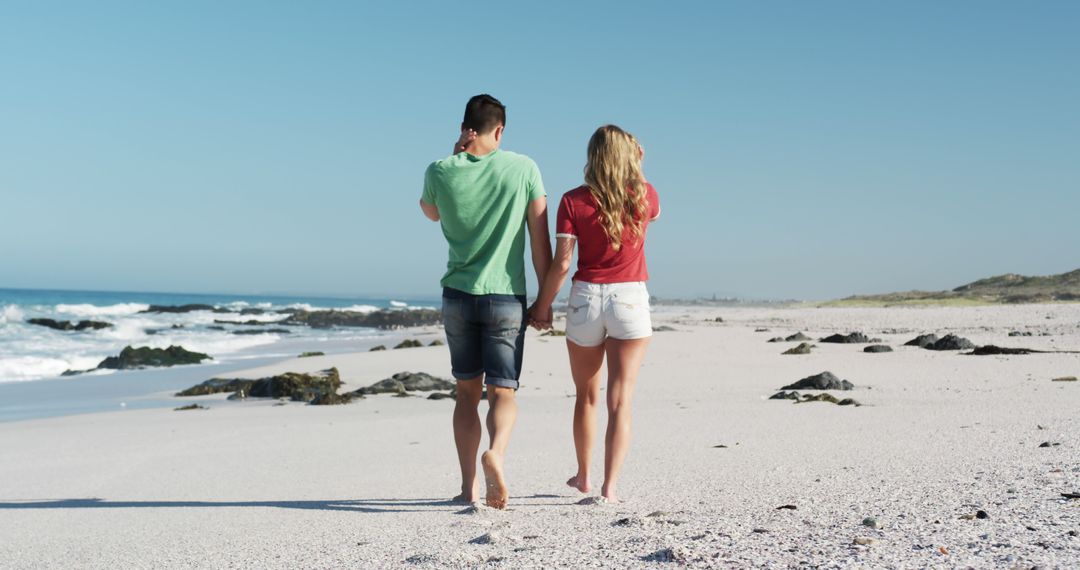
point(607, 310)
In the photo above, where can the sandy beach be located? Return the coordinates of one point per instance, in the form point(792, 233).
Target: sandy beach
point(944, 456)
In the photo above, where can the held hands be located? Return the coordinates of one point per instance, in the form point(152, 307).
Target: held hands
point(540, 318)
point(468, 136)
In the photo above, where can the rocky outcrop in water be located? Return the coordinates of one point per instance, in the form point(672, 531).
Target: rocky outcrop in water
point(384, 319)
point(877, 348)
point(146, 357)
point(69, 325)
point(263, 331)
point(184, 308)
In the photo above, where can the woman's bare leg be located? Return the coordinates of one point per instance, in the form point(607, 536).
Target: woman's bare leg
point(585, 364)
point(624, 361)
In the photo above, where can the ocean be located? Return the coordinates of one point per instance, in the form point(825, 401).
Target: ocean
point(30, 353)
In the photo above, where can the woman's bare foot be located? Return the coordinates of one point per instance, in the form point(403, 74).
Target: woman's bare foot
point(464, 499)
point(497, 494)
point(579, 483)
point(608, 494)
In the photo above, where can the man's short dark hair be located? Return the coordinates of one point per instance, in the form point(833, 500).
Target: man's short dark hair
point(483, 113)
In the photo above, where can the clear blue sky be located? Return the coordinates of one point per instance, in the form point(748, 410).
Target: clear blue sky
point(801, 149)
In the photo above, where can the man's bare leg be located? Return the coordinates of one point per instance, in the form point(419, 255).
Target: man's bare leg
point(467, 434)
point(624, 360)
point(585, 364)
point(502, 413)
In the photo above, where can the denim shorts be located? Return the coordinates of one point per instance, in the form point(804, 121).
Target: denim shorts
point(486, 336)
point(598, 311)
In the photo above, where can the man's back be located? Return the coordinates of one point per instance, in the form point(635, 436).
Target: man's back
point(482, 202)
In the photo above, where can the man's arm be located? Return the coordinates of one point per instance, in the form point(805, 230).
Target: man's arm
point(430, 210)
point(539, 238)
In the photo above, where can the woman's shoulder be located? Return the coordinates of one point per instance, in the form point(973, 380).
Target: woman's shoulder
point(577, 194)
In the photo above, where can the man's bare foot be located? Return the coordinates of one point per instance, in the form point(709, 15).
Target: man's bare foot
point(579, 483)
point(497, 494)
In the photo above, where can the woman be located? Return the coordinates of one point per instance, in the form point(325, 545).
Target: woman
point(608, 313)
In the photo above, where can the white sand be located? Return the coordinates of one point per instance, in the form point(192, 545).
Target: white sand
point(252, 485)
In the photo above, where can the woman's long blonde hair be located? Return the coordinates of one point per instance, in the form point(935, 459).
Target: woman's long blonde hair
point(613, 174)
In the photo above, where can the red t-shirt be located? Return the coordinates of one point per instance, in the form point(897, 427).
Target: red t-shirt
point(598, 262)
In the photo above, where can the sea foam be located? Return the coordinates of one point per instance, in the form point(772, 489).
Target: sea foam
point(87, 310)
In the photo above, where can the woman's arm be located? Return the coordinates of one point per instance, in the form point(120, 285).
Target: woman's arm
point(553, 281)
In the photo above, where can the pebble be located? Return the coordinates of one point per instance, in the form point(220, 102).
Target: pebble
point(871, 522)
point(864, 541)
point(488, 538)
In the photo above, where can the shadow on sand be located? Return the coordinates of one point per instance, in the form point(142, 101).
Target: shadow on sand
point(350, 505)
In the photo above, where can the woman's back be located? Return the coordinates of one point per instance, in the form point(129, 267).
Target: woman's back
point(598, 260)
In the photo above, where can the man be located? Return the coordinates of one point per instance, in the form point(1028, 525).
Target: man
point(485, 198)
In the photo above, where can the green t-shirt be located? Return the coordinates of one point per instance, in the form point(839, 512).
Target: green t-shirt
point(482, 203)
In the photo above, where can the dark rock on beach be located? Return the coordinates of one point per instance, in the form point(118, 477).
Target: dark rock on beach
point(1064, 379)
point(218, 385)
point(922, 341)
point(190, 407)
point(440, 396)
point(852, 338)
point(824, 381)
point(317, 388)
point(310, 354)
point(877, 348)
point(1018, 333)
point(410, 343)
point(69, 325)
point(951, 342)
point(384, 319)
point(804, 398)
point(797, 337)
point(436, 342)
point(663, 328)
point(776, 339)
point(145, 357)
point(296, 386)
point(803, 348)
point(377, 348)
point(403, 382)
point(992, 350)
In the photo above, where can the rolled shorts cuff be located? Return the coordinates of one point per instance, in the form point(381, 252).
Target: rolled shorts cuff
point(502, 382)
point(463, 376)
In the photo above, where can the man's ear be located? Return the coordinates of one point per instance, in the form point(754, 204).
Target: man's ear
point(498, 133)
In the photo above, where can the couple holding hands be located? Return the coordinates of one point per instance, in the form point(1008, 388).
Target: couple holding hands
point(486, 200)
